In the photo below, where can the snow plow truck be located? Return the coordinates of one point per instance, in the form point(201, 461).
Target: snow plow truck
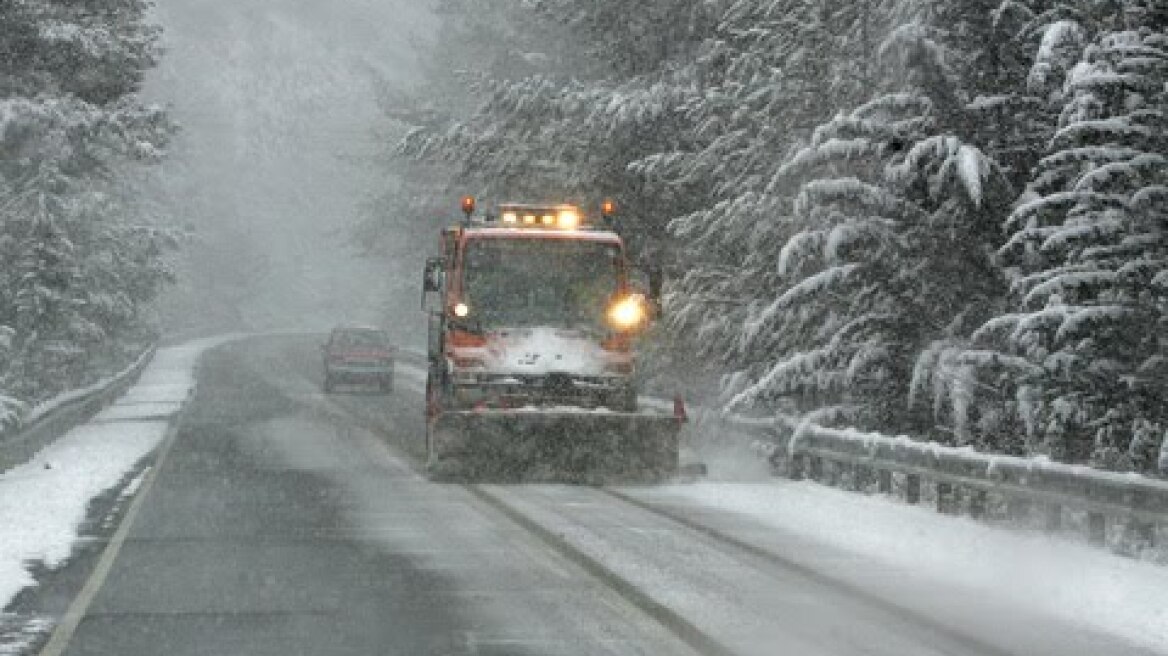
point(534, 317)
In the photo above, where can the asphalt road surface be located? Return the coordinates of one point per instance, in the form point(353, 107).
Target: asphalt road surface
point(284, 521)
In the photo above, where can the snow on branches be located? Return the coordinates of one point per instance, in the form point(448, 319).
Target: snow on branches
point(1089, 243)
point(917, 215)
point(79, 261)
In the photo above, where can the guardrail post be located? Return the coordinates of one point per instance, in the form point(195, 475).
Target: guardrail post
point(815, 469)
point(884, 483)
point(796, 466)
point(1143, 534)
point(1096, 529)
point(978, 503)
point(1018, 509)
point(1054, 517)
point(846, 477)
point(912, 489)
point(833, 472)
point(946, 498)
point(841, 474)
point(861, 478)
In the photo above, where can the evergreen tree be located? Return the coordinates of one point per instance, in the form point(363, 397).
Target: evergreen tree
point(968, 249)
point(79, 262)
point(761, 81)
point(563, 119)
point(1089, 246)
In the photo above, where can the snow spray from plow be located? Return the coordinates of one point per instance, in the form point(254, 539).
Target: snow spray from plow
point(562, 445)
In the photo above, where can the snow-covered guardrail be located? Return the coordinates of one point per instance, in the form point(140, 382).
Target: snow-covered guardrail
point(963, 480)
point(49, 421)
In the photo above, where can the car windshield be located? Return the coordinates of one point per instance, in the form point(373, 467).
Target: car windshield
point(368, 339)
point(540, 281)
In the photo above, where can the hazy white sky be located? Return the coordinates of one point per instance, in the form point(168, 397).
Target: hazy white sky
point(278, 104)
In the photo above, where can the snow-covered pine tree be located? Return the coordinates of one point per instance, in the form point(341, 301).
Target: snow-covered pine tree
point(1090, 246)
point(78, 265)
point(95, 50)
point(478, 42)
point(456, 126)
point(1162, 466)
point(1007, 118)
point(570, 112)
point(895, 220)
point(761, 81)
point(620, 42)
point(11, 408)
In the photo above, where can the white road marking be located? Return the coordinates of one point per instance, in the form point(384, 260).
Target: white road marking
point(63, 633)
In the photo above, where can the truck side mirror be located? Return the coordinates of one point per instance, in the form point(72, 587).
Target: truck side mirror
point(431, 279)
point(656, 283)
point(651, 281)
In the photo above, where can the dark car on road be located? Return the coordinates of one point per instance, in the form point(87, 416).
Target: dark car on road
point(358, 355)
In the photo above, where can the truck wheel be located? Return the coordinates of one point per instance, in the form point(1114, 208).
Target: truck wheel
point(434, 470)
point(442, 472)
point(624, 400)
point(386, 384)
point(329, 384)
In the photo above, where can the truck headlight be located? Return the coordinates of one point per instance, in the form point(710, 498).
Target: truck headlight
point(628, 312)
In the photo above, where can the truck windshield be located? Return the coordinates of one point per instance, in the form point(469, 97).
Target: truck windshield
point(545, 282)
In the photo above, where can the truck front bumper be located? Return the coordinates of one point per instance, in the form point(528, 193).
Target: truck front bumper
point(509, 391)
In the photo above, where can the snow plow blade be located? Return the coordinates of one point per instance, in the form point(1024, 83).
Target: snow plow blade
point(552, 446)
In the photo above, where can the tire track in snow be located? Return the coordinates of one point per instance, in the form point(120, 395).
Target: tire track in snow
point(689, 633)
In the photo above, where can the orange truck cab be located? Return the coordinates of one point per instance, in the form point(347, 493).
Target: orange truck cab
point(532, 305)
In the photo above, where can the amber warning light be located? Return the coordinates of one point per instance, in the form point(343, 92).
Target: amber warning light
point(608, 208)
point(564, 217)
point(468, 205)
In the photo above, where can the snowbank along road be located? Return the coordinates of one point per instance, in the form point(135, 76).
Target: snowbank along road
point(284, 521)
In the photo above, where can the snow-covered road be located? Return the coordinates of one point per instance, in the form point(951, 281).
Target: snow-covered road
point(956, 569)
point(287, 519)
point(44, 501)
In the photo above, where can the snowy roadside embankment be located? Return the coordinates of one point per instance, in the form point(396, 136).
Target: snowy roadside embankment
point(23, 432)
point(1077, 583)
point(44, 408)
point(44, 501)
point(16, 415)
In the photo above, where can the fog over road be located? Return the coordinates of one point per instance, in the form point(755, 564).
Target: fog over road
point(278, 103)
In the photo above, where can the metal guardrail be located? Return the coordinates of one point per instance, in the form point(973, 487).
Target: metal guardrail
point(21, 446)
point(965, 481)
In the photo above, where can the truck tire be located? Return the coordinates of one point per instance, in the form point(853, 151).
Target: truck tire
point(386, 384)
point(623, 401)
point(429, 442)
point(329, 384)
